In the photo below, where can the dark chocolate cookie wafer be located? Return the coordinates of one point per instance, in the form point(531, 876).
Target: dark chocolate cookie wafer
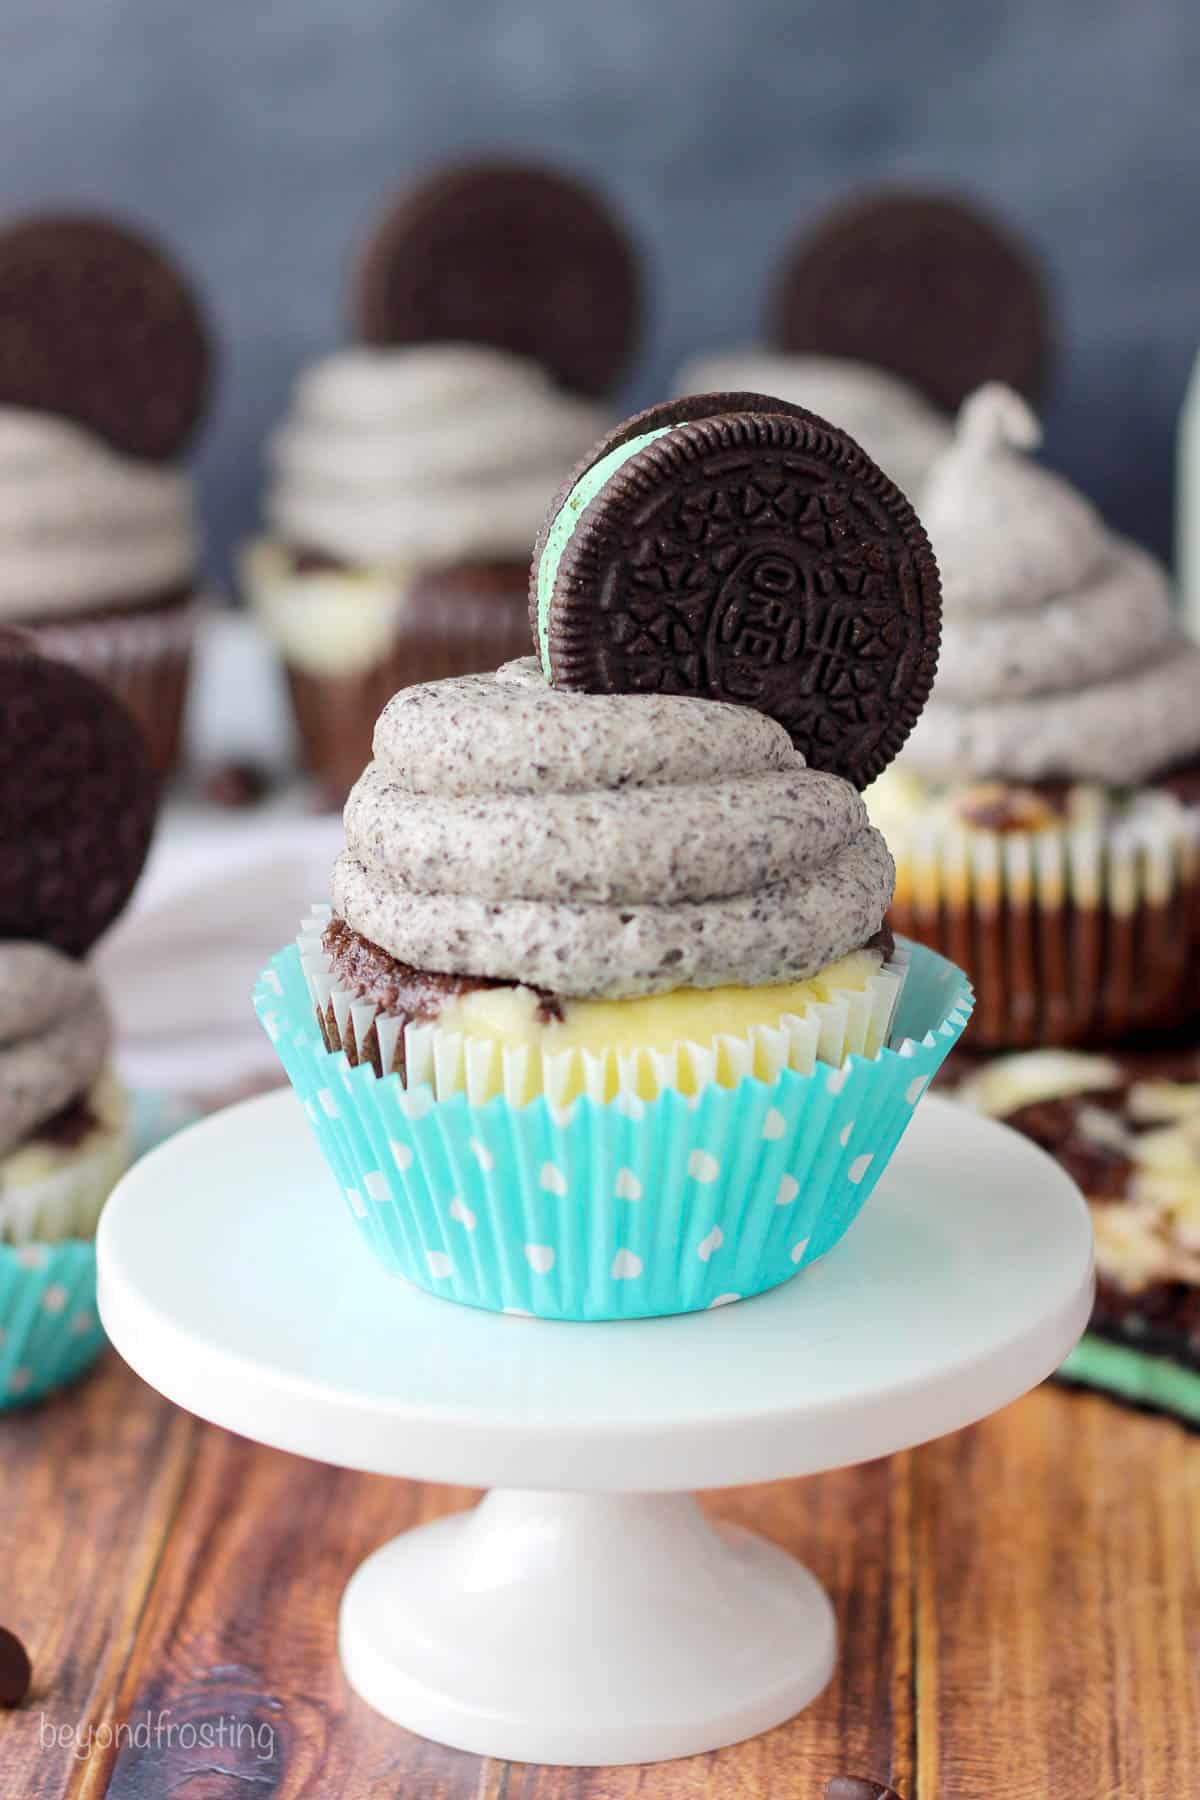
point(739, 549)
point(77, 803)
point(922, 284)
point(651, 418)
point(16, 1671)
point(98, 326)
point(509, 255)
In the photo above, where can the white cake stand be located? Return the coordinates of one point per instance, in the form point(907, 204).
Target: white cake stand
point(586, 1611)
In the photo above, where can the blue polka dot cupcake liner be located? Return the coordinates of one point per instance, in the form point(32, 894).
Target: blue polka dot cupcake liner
point(617, 1209)
point(50, 1330)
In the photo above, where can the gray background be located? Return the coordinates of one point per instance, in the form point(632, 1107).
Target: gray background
point(258, 137)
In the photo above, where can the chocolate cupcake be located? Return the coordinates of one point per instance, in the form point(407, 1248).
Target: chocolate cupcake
point(1127, 1129)
point(104, 373)
point(605, 1021)
point(1044, 813)
point(78, 798)
point(495, 303)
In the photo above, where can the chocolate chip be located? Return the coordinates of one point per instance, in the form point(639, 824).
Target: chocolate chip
point(16, 1670)
point(235, 784)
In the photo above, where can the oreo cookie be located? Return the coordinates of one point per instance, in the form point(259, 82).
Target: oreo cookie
point(78, 798)
point(98, 326)
point(922, 284)
point(737, 548)
point(16, 1670)
point(509, 255)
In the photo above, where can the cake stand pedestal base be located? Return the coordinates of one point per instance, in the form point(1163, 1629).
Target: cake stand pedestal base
point(585, 1628)
point(586, 1611)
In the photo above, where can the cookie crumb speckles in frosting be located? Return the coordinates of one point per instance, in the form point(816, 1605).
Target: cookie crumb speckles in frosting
point(753, 870)
point(54, 1036)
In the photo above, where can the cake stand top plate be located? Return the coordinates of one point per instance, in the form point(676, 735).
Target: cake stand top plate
point(232, 1278)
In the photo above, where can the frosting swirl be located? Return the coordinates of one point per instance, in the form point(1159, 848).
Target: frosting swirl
point(1059, 657)
point(422, 454)
point(81, 526)
point(54, 1036)
point(895, 425)
point(603, 844)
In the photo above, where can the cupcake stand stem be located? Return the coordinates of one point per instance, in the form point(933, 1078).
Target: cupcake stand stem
point(587, 1611)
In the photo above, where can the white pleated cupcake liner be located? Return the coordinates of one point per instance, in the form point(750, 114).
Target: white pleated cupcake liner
point(852, 1022)
point(621, 1208)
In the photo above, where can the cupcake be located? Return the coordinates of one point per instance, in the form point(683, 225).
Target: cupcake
point(495, 305)
point(78, 800)
point(605, 1020)
point(1127, 1129)
point(104, 373)
point(1042, 815)
point(885, 314)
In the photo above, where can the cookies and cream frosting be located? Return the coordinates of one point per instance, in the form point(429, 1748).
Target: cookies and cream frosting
point(606, 845)
point(1059, 657)
point(422, 454)
point(54, 1036)
point(896, 426)
point(82, 526)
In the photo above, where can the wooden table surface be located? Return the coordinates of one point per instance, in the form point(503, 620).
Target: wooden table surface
point(1019, 1608)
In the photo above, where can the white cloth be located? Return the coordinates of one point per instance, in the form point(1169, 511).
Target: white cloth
point(221, 894)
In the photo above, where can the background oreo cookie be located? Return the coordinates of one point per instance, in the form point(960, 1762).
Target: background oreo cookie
point(509, 255)
point(78, 799)
point(98, 326)
point(753, 555)
point(922, 284)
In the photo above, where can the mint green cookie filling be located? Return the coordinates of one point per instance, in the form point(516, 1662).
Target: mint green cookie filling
point(1135, 1375)
point(558, 537)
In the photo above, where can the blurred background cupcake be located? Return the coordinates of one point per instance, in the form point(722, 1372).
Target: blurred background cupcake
point(105, 369)
point(884, 314)
point(78, 798)
point(1045, 812)
point(495, 305)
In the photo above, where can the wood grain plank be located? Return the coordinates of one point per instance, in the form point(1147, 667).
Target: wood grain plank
point(239, 1640)
point(241, 1627)
point(1058, 1606)
point(91, 1481)
point(1036, 1579)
